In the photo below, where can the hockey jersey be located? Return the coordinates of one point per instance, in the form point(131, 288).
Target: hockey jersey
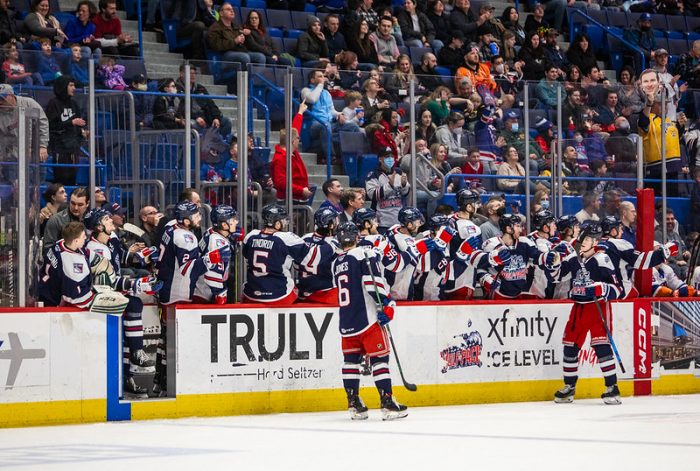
point(270, 258)
point(213, 282)
point(65, 277)
point(561, 289)
point(663, 276)
point(180, 264)
point(401, 281)
point(515, 278)
point(626, 259)
point(466, 229)
point(111, 251)
point(387, 200)
point(315, 275)
point(430, 274)
point(357, 289)
point(391, 260)
point(543, 280)
point(583, 273)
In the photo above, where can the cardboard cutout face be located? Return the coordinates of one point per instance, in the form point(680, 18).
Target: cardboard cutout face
point(649, 83)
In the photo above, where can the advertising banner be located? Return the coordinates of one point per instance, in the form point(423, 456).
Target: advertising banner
point(675, 336)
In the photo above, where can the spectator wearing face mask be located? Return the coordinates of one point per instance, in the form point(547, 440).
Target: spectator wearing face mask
point(641, 36)
point(386, 188)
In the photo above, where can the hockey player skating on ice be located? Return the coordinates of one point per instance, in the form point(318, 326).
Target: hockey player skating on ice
point(315, 277)
point(357, 276)
point(270, 254)
point(432, 266)
point(104, 243)
point(212, 287)
point(626, 259)
point(593, 284)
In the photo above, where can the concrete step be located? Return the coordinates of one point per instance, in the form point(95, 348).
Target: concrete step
point(162, 57)
point(319, 179)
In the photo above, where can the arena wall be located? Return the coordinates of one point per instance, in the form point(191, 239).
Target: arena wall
point(249, 359)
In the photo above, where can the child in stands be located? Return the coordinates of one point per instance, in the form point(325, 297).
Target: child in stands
point(48, 63)
point(111, 74)
point(15, 73)
point(78, 66)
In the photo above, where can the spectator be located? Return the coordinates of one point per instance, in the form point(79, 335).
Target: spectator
point(553, 52)
point(600, 185)
point(204, 112)
point(333, 191)
point(467, 101)
point(607, 113)
point(350, 74)
point(387, 12)
point(388, 134)
point(490, 228)
point(509, 52)
point(324, 114)
point(452, 55)
point(533, 55)
point(360, 43)
point(437, 103)
point(385, 43)
point(416, 28)
point(311, 46)
point(641, 36)
point(81, 30)
point(427, 184)
point(351, 200)
point(8, 26)
point(581, 54)
point(673, 91)
point(688, 67)
point(591, 205)
point(510, 20)
point(15, 73)
point(674, 231)
point(149, 217)
point(535, 22)
point(79, 203)
point(55, 197)
point(374, 100)
point(545, 135)
point(165, 108)
point(463, 19)
point(622, 149)
point(488, 47)
point(192, 23)
point(611, 201)
point(9, 125)
point(427, 76)
point(425, 128)
point(438, 159)
point(541, 201)
point(364, 12)
point(353, 109)
point(573, 79)
point(108, 32)
point(111, 74)
point(571, 168)
point(206, 13)
point(48, 67)
point(226, 37)
point(335, 41)
point(546, 89)
point(510, 167)
point(398, 83)
point(439, 20)
point(628, 218)
point(40, 24)
point(257, 40)
point(66, 124)
point(301, 190)
point(514, 136)
point(473, 166)
point(487, 139)
point(573, 112)
point(386, 187)
point(78, 66)
point(595, 85)
point(629, 95)
point(477, 72)
point(450, 135)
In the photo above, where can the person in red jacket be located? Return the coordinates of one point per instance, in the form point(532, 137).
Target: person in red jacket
point(301, 190)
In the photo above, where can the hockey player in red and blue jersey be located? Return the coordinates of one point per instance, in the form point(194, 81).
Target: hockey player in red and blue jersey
point(366, 221)
point(568, 229)
point(365, 307)
point(513, 277)
point(105, 243)
point(270, 254)
point(626, 259)
point(432, 267)
point(212, 286)
point(315, 277)
point(545, 238)
point(593, 284)
point(468, 203)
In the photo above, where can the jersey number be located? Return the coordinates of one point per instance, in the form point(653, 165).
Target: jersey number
point(343, 293)
point(260, 263)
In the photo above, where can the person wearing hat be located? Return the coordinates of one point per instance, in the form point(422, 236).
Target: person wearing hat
point(204, 112)
point(641, 36)
point(9, 137)
point(554, 53)
point(386, 188)
point(535, 21)
point(487, 139)
point(545, 134)
point(452, 55)
point(477, 72)
point(514, 136)
point(673, 91)
point(311, 46)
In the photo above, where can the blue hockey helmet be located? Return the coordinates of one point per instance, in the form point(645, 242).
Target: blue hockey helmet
point(590, 228)
point(324, 217)
point(565, 222)
point(185, 210)
point(508, 220)
point(542, 218)
point(608, 223)
point(222, 213)
point(94, 217)
point(347, 233)
point(273, 213)
point(466, 196)
point(363, 214)
point(410, 214)
point(436, 221)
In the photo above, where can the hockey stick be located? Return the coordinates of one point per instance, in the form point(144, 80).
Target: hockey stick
point(410, 386)
point(609, 334)
point(693, 262)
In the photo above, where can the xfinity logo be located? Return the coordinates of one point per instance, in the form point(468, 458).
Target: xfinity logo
point(17, 354)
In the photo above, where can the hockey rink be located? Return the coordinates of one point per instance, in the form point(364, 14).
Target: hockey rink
point(647, 433)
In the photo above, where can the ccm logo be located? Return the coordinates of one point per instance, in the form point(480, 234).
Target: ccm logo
point(642, 349)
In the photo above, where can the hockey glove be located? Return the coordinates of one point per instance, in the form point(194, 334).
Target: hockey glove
point(468, 247)
point(670, 249)
point(220, 255)
point(220, 298)
point(147, 285)
point(682, 292)
point(552, 260)
point(490, 284)
point(597, 290)
point(149, 254)
point(425, 245)
point(382, 245)
point(500, 257)
point(387, 312)
point(562, 248)
point(444, 236)
point(237, 237)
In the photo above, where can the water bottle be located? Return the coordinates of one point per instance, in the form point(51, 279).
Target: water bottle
point(361, 119)
point(494, 48)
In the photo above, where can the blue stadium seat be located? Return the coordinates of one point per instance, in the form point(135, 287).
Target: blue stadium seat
point(279, 19)
point(693, 37)
point(309, 8)
point(693, 24)
point(63, 18)
point(659, 22)
point(170, 31)
point(260, 4)
point(599, 15)
point(275, 32)
point(133, 68)
point(417, 52)
point(293, 33)
point(22, 7)
point(676, 47)
point(131, 8)
point(676, 23)
point(617, 18)
point(673, 34)
point(277, 42)
point(165, 156)
point(368, 162)
point(352, 146)
point(299, 19)
point(595, 34)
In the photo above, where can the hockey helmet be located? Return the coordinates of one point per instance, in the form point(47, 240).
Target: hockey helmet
point(608, 223)
point(324, 217)
point(94, 217)
point(590, 229)
point(565, 222)
point(347, 233)
point(410, 214)
point(273, 213)
point(437, 221)
point(466, 196)
point(222, 213)
point(360, 216)
point(542, 218)
point(508, 220)
point(185, 210)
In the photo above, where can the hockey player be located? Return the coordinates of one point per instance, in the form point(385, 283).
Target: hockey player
point(315, 277)
point(513, 278)
point(179, 267)
point(468, 202)
point(545, 238)
point(625, 258)
point(366, 221)
point(212, 286)
point(568, 228)
point(401, 238)
point(105, 243)
point(357, 276)
point(270, 253)
point(432, 267)
point(593, 284)
point(665, 282)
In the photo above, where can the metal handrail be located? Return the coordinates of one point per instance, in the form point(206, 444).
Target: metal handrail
point(266, 110)
point(157, 183)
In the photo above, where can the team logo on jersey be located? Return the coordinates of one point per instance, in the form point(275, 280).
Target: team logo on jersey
point(189, 238)
point(465, 351)
point(77, 268)
point(100, 252)
point(220, 242)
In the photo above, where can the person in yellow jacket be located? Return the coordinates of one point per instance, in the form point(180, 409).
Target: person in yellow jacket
point(650, 129)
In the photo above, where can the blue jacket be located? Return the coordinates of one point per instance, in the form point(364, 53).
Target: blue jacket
point(76, 31)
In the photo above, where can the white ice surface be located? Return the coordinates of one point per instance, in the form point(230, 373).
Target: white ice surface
point(649, 433)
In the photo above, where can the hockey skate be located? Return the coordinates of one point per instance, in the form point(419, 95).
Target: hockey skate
point(611, 396)
point(356, 407)
point(133, 390)
point(391, 409)
point(565, 395)
point(140, 362)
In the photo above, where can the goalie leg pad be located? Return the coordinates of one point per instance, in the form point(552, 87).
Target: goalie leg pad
point(109, 302)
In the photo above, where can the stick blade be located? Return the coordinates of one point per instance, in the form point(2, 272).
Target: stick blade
point(411, 387)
